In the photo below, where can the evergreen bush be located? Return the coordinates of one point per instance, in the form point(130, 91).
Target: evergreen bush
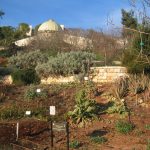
point(69, 63)
point(24, 60)
point(25, 76)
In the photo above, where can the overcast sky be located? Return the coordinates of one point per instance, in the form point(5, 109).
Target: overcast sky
point(71, 13)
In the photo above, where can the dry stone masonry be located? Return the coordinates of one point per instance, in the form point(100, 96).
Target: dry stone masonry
point(97, 75)
point(107, 74)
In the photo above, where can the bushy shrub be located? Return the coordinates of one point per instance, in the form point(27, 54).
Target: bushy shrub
point(31, 93)
point(124, 127)
point(16, 112)
point(66, 64)
point(25, 76)
point(11, 113)
point(28, 59)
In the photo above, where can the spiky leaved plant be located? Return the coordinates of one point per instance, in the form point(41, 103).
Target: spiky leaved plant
point(84, 111)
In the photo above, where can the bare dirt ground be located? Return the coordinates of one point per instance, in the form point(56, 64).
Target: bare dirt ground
point(39, 131)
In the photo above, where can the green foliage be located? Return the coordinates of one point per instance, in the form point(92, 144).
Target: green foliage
point(134, 62)
point(28, 59)
point(36, 29)
point(147, 126)
point(10, 50)
point(128, 19)
point(17, 112)
point(69, 63)
point(25, 76)
point(98, 139)
point(24, 27)
point(123, 127)
point(148, 145)
point(136, 56)
point(119, 108)
point(74, 144)
point(6, 35)
point(11, 113)
point(31, 93)
point(85, 110)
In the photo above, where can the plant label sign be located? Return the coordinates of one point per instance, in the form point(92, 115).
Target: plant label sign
point(38, 90)
point(86, 78)
point(59, 126)
point(52, 110)
point(28, 112)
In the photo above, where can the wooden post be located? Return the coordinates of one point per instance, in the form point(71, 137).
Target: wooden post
point(67, 132)
point(17, 131)
point(52, 134)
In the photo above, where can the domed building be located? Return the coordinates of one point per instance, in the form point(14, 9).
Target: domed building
point(50, 25)
point(46, 30)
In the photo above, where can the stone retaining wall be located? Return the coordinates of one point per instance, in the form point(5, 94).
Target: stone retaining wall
point(98, 75)
point(107, 74)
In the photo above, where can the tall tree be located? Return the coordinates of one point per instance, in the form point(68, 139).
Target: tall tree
point(128, 19)
point(24, 27)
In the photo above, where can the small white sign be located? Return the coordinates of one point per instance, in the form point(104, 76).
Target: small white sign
point(38, 90)
point(28, 112)
point(52, 110)
point(86, 78)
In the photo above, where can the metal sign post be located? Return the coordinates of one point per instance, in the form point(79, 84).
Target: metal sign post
point(52, 111)
point(67, 134)
point(52, 134)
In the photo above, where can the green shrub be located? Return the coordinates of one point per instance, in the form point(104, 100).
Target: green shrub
point(26, 76)
point(17, 112)
point(31, 93)
point(147, 126)
point(98, 139)
point(28, 59)
point(69, 63)
point(119, 108)
point(124, 127)
point(85, 110)
point(12, 112)
point(74, 144)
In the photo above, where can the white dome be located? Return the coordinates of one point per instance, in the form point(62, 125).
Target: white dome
point(49, 25)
